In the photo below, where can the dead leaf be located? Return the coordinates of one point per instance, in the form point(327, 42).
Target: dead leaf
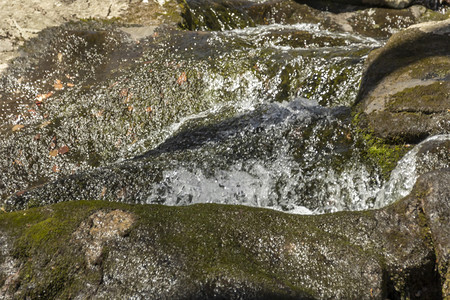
point(37, 137)
point(113, 84)
point(148, 109)
point(41, 97)
point(130, 108)
point(17, 127)
point(53, 153)
point(123, 92)
point(60, 57)
point(128, 98)
point(103, 192)
point(58, 85)
point(55, 169)
point(64, 149)
point(70, 84)
point(182, 79)
point(45, 123)
point(20, 193)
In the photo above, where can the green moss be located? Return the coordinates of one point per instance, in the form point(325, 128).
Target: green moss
point(385, 155)
point(208, 241)
point(110, 21)
point(431, 15)
point(430, 67)
point(424, 98)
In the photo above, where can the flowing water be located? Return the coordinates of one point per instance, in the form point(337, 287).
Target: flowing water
point(256, 116)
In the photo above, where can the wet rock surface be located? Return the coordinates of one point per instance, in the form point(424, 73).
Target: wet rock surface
point(206, 251)
point(230, 102)
point(404, 93)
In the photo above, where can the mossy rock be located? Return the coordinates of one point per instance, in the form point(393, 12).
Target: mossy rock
point(98, 249)
point(404, 93)
point(428, 99)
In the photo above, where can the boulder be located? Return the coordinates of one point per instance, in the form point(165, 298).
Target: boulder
point(404, 93)
point(97, 249)
point(25, 19)
point(434, 4)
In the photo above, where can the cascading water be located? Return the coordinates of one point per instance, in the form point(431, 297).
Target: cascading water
point(189, 117)
point(416, 162)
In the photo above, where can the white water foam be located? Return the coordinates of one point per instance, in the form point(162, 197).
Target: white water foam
point(404, 176)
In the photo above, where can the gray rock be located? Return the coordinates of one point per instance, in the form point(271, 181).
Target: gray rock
point(233, 252)
point(404, 92)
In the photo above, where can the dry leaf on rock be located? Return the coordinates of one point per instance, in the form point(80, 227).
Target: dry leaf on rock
point(64, 149)
point(182, 79)
point(17, 127)
point(53, 153)
point(41, 97)
point(58, 85)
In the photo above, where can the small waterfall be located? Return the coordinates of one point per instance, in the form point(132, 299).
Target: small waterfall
point(411, 166)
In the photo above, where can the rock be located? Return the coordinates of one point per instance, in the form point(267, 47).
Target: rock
point(434, 4)
point(218, 251)
point(374, 22)
point(429, 155)
point(99, 229)
point(404, 93)
point(25, 19)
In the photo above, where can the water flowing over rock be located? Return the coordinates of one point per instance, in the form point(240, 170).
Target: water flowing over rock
point(431, 154)
point(280, 155)
point(196, 104)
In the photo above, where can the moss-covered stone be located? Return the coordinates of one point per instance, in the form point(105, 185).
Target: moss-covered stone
point(404, 91)
point(206, 251)
point(428, 99)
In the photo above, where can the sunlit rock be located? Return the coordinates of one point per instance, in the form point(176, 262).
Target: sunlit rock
point(215, 251)
point(404, 91)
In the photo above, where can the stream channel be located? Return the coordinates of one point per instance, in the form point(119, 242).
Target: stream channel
point(255, 115)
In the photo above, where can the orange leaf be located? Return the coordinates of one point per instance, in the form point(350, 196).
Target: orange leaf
point(41, 97)
point(58, 85)
point(123, 92)
point(128, 98)
point(70, 84)
point(103, 191)
point(55, 169)
point(148, 109)
point(53, 153)
point(17, 127)
point(182, 79)
point(63, 149)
